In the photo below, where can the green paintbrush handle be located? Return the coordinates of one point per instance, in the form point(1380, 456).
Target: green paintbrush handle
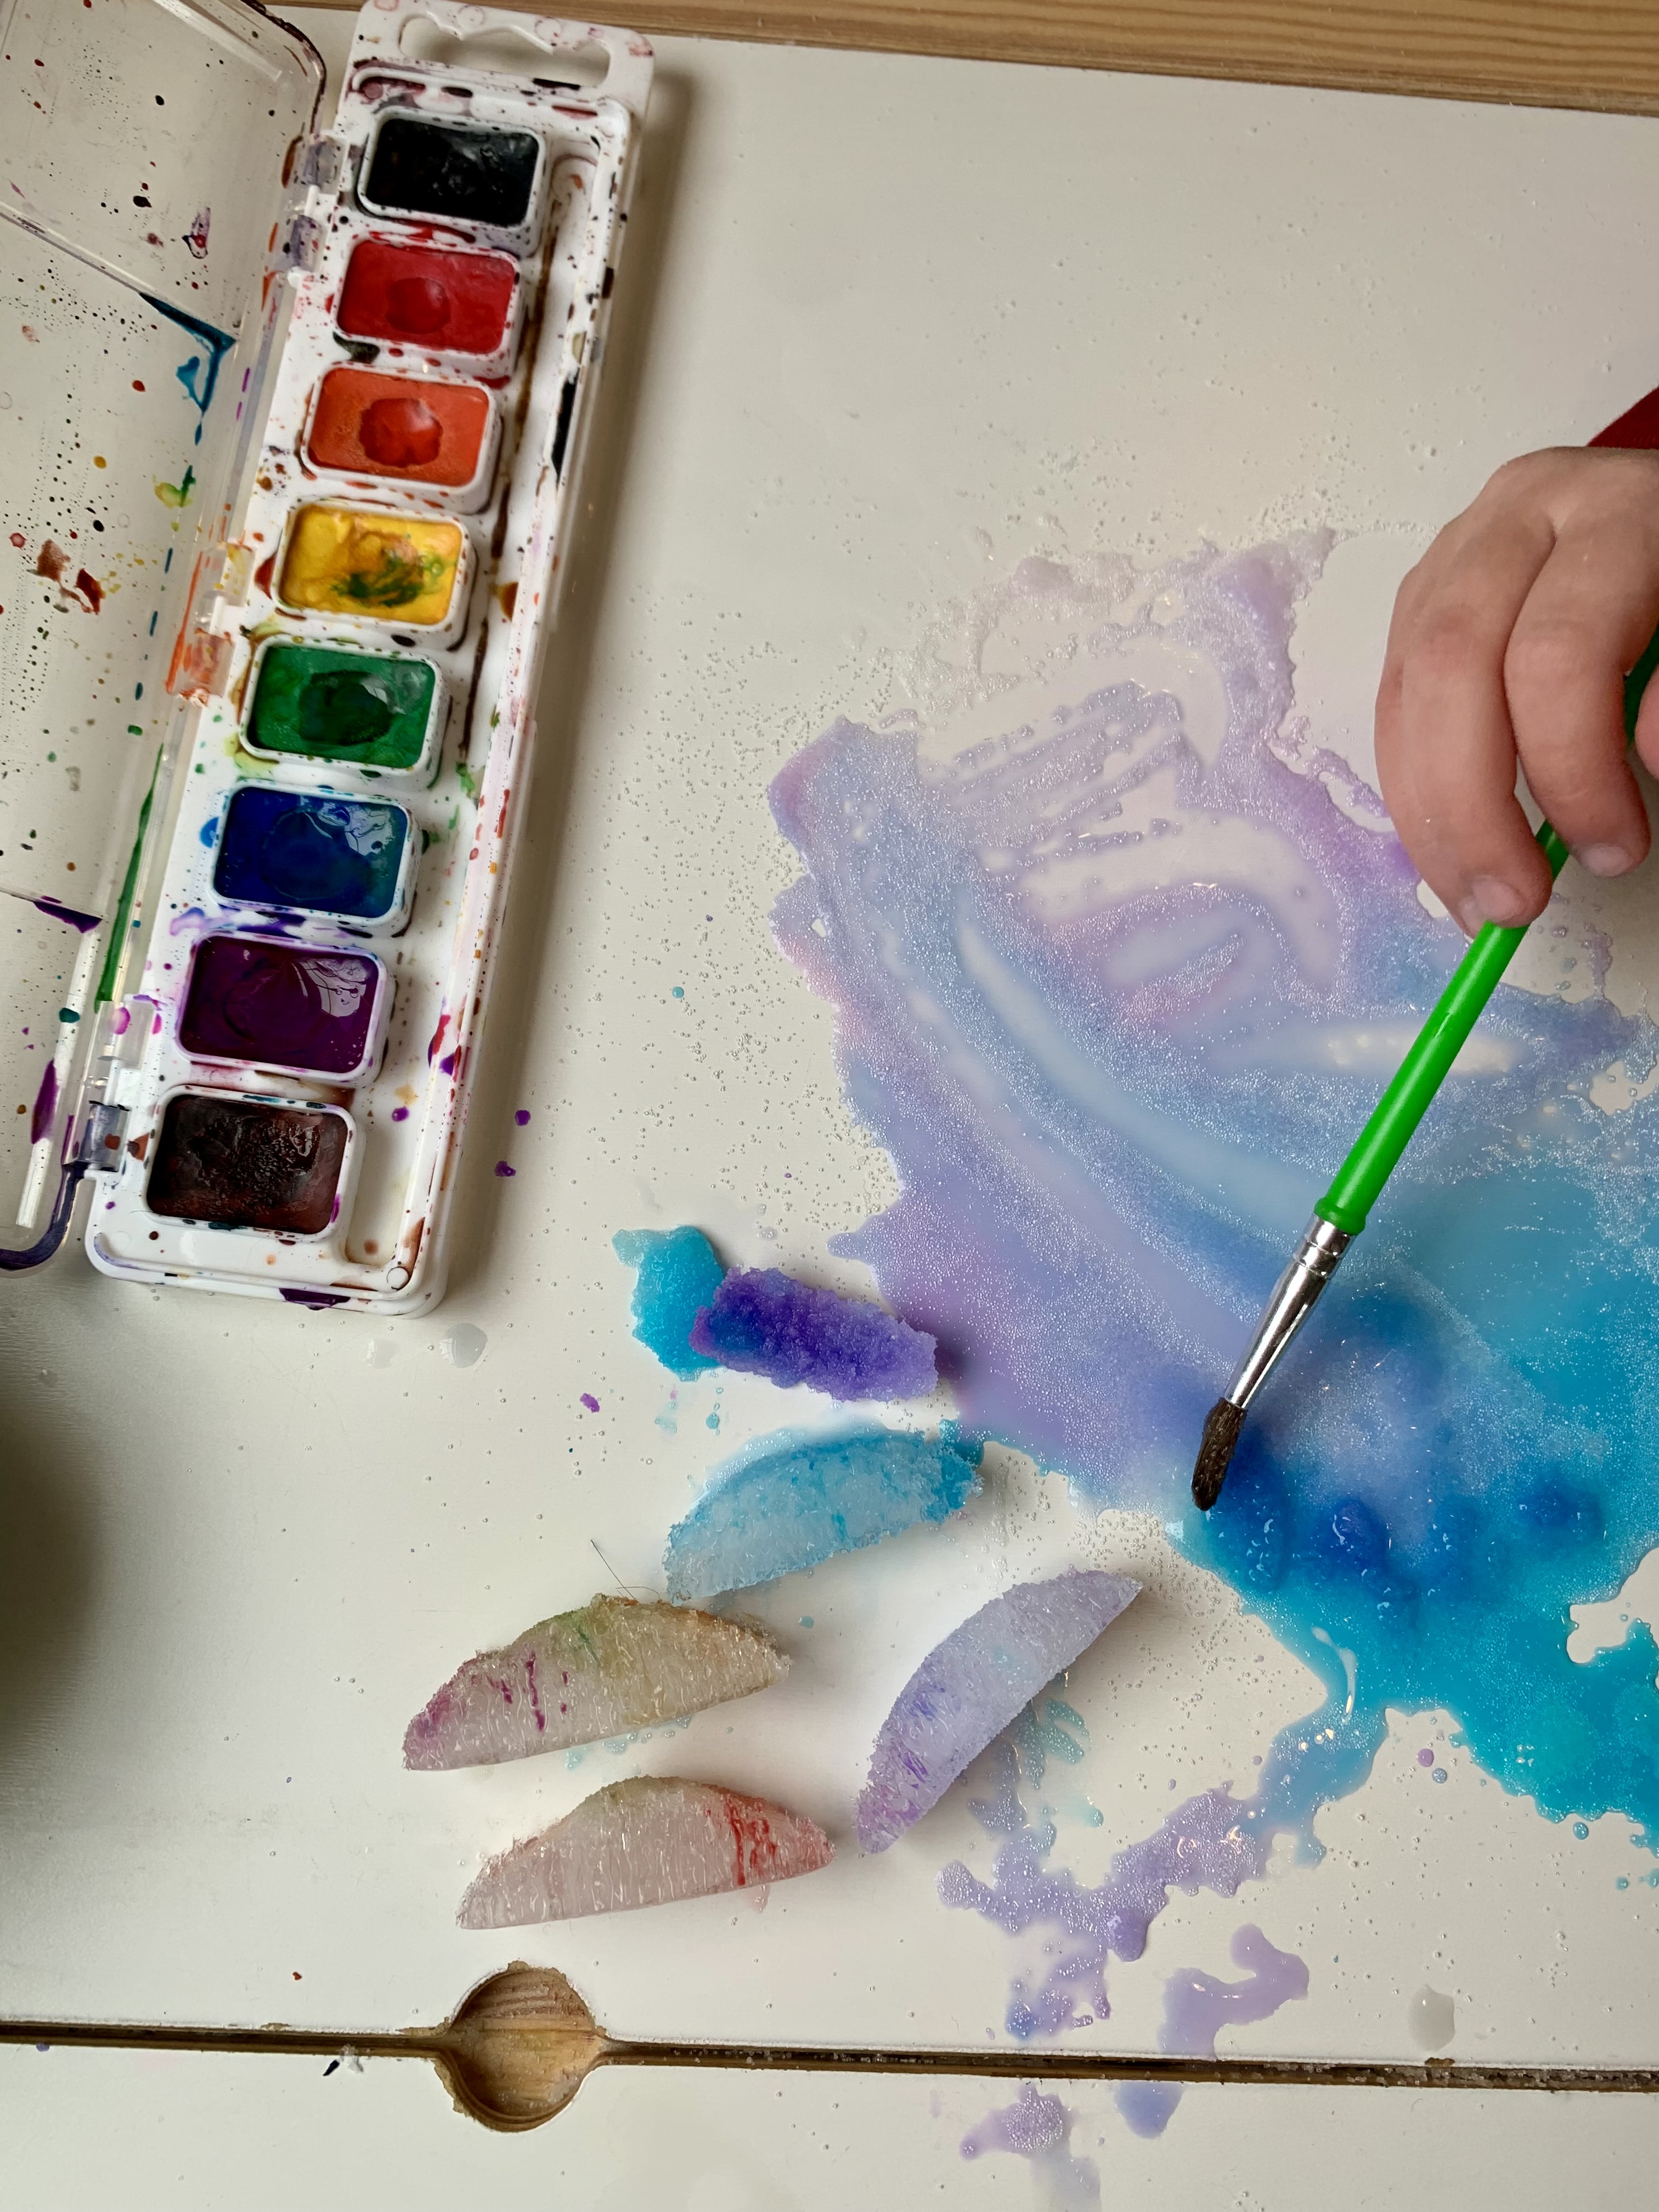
point(1360, 1178)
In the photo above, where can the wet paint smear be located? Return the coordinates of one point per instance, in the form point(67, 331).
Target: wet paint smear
point(790, 1499)
point(45, 1104)
point(765, 1322)
point(72, 915)
point(199, 374)
point(419, 431)
point(677, 1272)
point(365, 708)
point(309, 850)
point(1170, 953)
point(1039, 2128)
point(419, 168)
point(428, 296)
point(303, 1007)
point(384, 567)
point(245, 1163)
point(1197, 2007)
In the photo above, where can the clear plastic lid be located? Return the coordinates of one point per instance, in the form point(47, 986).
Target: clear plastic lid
point(154, 157)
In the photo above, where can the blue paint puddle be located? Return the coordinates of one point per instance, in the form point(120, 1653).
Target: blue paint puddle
point(1165, 982)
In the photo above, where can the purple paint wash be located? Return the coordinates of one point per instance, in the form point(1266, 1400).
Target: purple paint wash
point(765, 1323)
point(1197, 2007)
point(1170, 948)
point(972, 1687)
point(1038, 2129)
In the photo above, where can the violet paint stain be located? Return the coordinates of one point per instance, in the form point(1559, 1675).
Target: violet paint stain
point(45, 1105)
point(1197, 2007)
point(71, 915)
point(1038, 2129)
point(400, 1113)
point(590, 1401)
point(318, 1300)
point(503, 1167)
point(522, 1116)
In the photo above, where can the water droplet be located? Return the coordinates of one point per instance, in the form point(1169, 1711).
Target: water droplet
point(1430, 2019)
point(464, 1344)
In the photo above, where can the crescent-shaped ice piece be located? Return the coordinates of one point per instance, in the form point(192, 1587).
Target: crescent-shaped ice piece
point(793, 1498)
point(648, 1841)
point(607, 1667)
point(969, 1687)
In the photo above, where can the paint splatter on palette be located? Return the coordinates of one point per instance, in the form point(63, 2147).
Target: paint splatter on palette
point(266, 1033)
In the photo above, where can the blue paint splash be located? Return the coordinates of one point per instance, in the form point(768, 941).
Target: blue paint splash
point(1116, 982)
point(199, 375)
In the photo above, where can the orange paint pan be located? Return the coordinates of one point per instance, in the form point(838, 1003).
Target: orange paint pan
point(405, 429)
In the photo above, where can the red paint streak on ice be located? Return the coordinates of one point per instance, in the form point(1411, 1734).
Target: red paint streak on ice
point(535, 1699)
point(437, 1037)
point(86, 586)
point(50, 562)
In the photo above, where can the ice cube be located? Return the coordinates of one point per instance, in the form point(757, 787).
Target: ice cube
point(794, 1497)
point(969, 1687)
point(677, 1271)
point(767, 1324)
point(610, 1667)
point(646, 1841)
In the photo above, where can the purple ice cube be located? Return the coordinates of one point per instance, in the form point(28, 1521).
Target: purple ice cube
point(969, 1687)
point(767, 1324)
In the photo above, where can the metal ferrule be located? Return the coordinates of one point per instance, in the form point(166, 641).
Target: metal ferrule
point(1295, 1296)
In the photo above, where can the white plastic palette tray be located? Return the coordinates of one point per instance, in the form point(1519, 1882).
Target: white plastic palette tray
point(253, 1169)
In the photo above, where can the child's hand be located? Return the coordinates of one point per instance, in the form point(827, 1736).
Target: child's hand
point(1511, 638)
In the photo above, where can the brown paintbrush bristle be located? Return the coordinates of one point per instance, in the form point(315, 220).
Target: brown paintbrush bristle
point(1221, 1426)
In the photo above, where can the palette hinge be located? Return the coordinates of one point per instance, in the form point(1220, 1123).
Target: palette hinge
point(103, 1135)
point(303, 246)
point(321, 163)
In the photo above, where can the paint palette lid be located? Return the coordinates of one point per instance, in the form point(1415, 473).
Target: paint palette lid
point(156, 172)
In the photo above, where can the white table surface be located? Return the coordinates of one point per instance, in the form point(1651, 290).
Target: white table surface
point(884, 326)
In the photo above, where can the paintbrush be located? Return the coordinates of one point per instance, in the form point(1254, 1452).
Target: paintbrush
point(1341, 1213)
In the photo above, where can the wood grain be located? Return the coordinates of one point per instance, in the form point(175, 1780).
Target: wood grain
point(1600, 54)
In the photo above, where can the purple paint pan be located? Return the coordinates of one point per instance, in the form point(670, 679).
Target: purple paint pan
point(308, 1009)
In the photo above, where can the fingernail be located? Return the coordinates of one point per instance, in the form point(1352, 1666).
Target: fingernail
point(1495, 901)
point(1603, 859)
point(1470, 917)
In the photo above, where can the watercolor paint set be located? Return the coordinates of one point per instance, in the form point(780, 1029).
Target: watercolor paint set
point(290, 431)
